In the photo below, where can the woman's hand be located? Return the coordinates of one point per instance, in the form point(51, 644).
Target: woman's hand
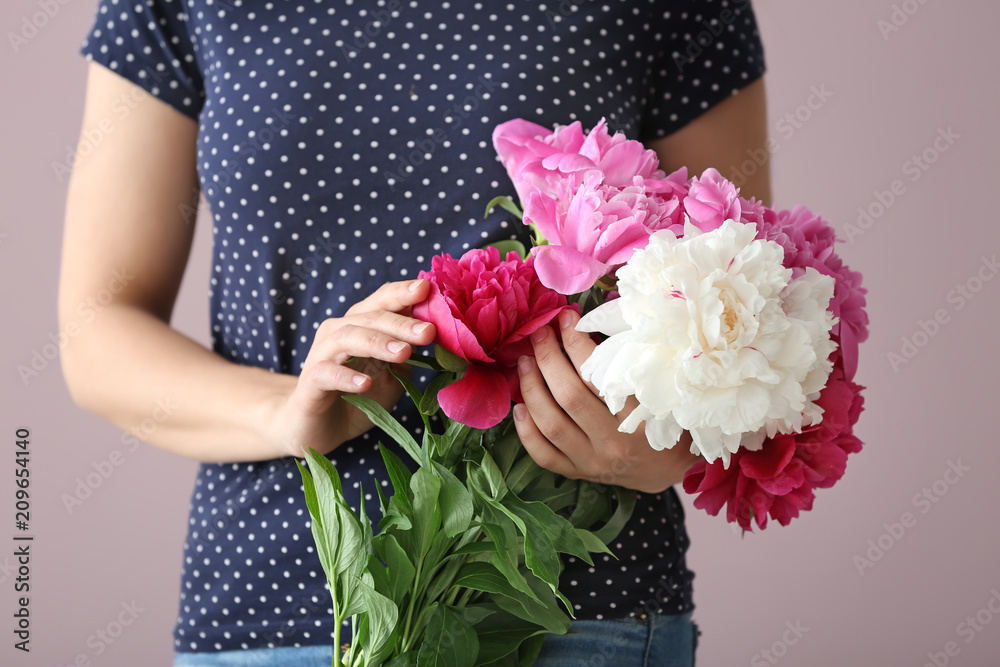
point(568, 429)
point(379, 332)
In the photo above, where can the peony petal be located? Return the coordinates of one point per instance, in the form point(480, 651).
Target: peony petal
point(566, 270)
point(452, 333)
point(480, 399)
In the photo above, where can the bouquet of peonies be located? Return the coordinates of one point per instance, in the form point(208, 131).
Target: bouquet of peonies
point(721, 316)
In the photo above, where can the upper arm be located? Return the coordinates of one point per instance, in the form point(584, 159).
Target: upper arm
point(723, 137)
point(129, 214)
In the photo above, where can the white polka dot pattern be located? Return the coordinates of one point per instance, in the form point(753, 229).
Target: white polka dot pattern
point(342, 145)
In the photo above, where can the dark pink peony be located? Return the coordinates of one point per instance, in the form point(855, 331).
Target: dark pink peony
point(485, 308)
point(779, 479)
point(808, 240)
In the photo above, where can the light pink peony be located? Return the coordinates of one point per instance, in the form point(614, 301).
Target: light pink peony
point(808, 241)
point(485, 308)
point(539, 159)
point(595, 229)
point(711, 200)
point(779, 479)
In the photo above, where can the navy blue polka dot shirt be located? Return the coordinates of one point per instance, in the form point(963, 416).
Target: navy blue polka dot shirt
point(341, 145)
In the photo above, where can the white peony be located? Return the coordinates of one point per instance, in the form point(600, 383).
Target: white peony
point(713, 335)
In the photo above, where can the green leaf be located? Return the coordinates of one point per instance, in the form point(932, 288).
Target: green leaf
point(448, 360)
point(626, 503)
point(497, 485)
point(424, 361)
point(338, 531)
point(382, 419)
point(507, 245)
point(506, 204)
point(504, 445)
point(485, 577)
point(473, 548)
point(456, 502)
point(530, 648)
point(323, 547)
point(443, 578)
point(429, 404)
point(408, 659)
point(426, 509)
point(592, 542)
point(523, 473)
point(382, 615)
point(448, 641)
point(399, 475)
point(557, 529)
point(400, 568)
point(592, 504)
point(501, 633)
point(545, 613)
point(501, 530)
point(540, 553)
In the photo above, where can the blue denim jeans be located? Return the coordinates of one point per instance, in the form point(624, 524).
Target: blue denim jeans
point(656, 641)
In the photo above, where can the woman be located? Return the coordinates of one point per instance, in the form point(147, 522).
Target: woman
point(339, 147)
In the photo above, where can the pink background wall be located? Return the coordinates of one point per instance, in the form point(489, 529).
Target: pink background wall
point(887, 98)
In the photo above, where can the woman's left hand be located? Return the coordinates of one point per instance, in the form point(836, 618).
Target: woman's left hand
point(566, 427)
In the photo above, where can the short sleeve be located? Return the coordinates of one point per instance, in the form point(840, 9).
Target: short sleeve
point(710, 51)
point(147, 42)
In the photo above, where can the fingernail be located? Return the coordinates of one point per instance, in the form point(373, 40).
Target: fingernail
point(524, 364)
point(358, 380)
point(539, 335)
point(519, 412)
point(565, 319)
point(420, 328)
point(395, 346)
point(415, 284)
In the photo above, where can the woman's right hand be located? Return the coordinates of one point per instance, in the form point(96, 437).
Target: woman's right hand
point(378, 332)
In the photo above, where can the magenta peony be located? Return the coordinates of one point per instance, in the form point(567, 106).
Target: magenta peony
point(779, 479)
point(485, 308)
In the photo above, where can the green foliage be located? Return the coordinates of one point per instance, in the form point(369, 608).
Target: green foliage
point(464, 571)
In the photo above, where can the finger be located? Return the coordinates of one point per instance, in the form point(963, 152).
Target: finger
point(543, 452)
point(401, 327)
point(323, 382)
point(395, 296)
point(548, 416)
point(352, 340)
point(566, 386)
point(578, 344)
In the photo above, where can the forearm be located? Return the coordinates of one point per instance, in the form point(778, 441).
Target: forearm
point(133, 369)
